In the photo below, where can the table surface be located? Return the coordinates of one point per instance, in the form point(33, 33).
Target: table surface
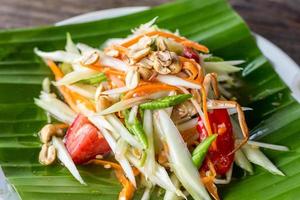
point(277, 20)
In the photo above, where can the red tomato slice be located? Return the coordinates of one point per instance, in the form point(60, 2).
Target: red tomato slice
point(191, 54)
point(84, 141)
point(220, 123)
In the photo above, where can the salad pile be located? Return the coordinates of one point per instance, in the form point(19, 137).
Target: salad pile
point(155, 107)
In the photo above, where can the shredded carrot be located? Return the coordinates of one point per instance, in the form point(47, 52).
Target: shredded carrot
point(55, 69)
point(67, 94)
point(112, 164)
point(195, 45)
point(85, 101)
point(109, 71)
point(105, 162)
point(148, 89)
point(121, 49)
point(208, 181)
point(176, 38)
point(204, 106)
point(106, 70)
point(211, 168)
point(96, 67)
point(212, 188)
point(189, 135)
point(128, 189)
point(194, 68)
point(206, 118)
point(194, 72)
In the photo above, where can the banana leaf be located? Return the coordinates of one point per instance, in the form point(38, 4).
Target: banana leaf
point(276, 115)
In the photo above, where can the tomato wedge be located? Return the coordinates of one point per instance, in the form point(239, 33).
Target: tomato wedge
point(219, 156)
point(191, 54)
point(84, 141)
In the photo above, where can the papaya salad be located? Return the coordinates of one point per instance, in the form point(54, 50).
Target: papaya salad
point(154, 107)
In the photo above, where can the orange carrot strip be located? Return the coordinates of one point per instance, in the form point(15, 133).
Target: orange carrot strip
point(95, 67)
point(98, 67)
point(112, 164)
point(68, 96)
point(197, 69)
point(128, 189)
point(105, 162)
point(55, 69)
point(207, 122)
point(121, 49)
point(212, 188)
point(182, 40)
point(211, 168)
point(62, 89)
point(109, 71)
point(204, 106)
point(194, 72)
point(195, 45)
point(148, 89)
point(85, 101)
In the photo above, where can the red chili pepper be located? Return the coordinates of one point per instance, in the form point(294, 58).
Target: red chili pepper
point(84, 141)
point(219, 156)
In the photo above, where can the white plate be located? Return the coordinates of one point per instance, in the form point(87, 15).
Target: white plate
point(288, 70)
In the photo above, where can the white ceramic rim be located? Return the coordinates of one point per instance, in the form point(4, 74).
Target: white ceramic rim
point(286, 67)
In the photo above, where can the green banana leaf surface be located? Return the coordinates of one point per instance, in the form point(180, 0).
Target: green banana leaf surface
point(276, 114)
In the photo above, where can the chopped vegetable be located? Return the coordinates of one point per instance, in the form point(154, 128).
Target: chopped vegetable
point(191, 54)
point(124, 133)
point(200, 151)
point(66, 159)
point(96, 79)
point(58, 56)
point(176, 81)
point(213, 59)
point(149, 89)
point(220, 155)
point(181, 160)
point(257, 157)
point(241, 160)
point(70, 46)
point(124, 104)
point(188, 124)
point(148, 128)
point(86, 91)
point(136, 128)
point(58, 109)
point(114, 147)
point(268, 146)
point(84, 141)
point(171, 195)
point(77, 76)
point(165, 102)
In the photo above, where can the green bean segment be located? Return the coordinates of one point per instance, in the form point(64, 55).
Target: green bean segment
point(136, 128)
point(166, 102)
point(200, 151)
point(94, 79)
